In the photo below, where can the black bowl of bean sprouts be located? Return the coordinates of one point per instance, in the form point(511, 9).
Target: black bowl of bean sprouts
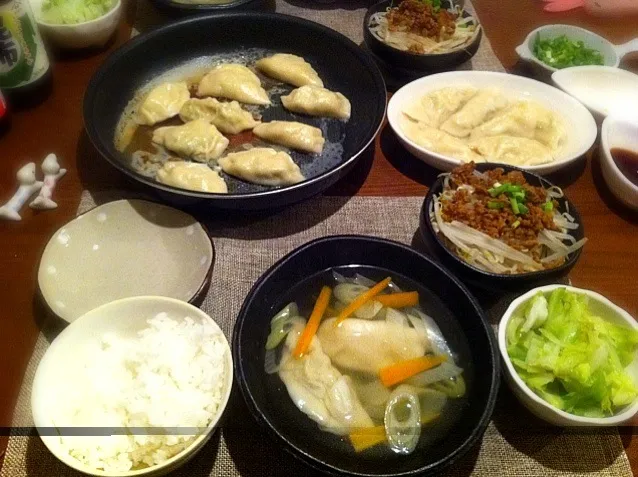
point(405, 50)
point(473, 229)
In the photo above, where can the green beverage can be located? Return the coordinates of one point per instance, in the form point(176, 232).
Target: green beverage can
point(24, 64)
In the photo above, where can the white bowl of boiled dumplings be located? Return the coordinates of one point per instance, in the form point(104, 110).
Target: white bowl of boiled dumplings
point(580, 127)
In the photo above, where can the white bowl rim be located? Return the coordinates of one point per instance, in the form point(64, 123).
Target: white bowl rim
point(116, 9)
point(609, 69)
point(79, 466)
point(533, 58)
point(625, 415)
point(555, 165)
point(604, 139)
point(558, 80)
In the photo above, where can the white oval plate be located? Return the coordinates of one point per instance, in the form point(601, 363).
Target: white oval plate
point(121, 249)
point(580, 125)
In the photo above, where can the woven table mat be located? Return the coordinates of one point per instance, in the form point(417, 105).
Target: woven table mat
point(346, 17)
point(515, 444)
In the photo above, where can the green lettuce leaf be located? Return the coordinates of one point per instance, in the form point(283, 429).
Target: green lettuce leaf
point(572, 358)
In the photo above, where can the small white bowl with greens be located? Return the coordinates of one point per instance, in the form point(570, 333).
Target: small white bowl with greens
point(570, 356)
point(76, 24)
point(553, 47)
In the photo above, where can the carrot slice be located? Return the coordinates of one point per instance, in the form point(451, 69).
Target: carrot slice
point(362, 300)
point(399, 300)
point(313, 323)
point(398, 372)
point(366, 437)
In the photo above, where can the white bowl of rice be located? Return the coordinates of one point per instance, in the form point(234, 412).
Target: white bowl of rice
point(133, 387)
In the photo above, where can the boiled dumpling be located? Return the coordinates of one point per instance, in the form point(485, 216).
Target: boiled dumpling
point(518, 151)
point(435, 107)
point(262, 165)
point(197, 139)
point(475, 112)
point(524, 119)
point(229, 117)
point(318, 389)
point(163, 102)
point(291, 134)
point(317, 101)
point(233, 81)
point(192, 176)
point(366, 346)
point(291, 69)
point(437, 141)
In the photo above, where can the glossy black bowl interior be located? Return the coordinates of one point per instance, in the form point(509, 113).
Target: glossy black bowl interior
point(497, 281)
point(442, 297)
point(342, 65)
point(404, 60)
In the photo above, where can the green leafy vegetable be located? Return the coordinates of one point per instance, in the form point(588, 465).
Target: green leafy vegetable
point(515, 193)
point(561, 52)
point(74, 11)
point(435, 4)
point(572, 358)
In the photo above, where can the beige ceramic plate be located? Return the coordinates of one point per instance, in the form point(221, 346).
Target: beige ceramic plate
point(122, 249)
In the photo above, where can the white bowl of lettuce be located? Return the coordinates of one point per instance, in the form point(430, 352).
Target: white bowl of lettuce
point(571, 356)
point(75, 24)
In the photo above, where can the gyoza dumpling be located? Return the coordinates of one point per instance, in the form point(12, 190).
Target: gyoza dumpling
point(191, 176)
point(291, 69)
point(291, 134)
point(262, 165)
point(318, 389)
point(317, 101)
point(197, 139)
point(518, 151)
point(438, 141)
point(233, 81)
point(229, 117)
point(366, 346)
point(435, 107)
point(524, 119)
point(163, 102)
point(475, 112)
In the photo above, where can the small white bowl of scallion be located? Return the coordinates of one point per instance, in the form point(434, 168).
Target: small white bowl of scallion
point(553, 47)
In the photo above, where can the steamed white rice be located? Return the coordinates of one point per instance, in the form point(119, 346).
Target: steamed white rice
point(170, 376)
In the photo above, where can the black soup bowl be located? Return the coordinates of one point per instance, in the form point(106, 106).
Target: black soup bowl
point(200, 42)
point(497, 281)
point(405, 60)
point(301, 274)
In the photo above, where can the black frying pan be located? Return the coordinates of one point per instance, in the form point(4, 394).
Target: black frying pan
point(342, 65)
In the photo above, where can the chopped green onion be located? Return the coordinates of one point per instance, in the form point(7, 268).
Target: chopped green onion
point(522, 208)
point(561, 52)
point(495, 204)
point(520, 194)
point(514, 205)
point(516, 224)
point(548, 206)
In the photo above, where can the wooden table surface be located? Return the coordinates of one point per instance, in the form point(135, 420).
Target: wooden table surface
point(608, 264)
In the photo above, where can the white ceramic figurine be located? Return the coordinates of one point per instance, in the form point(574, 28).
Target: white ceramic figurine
point(28, 187)
point(52, 174)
